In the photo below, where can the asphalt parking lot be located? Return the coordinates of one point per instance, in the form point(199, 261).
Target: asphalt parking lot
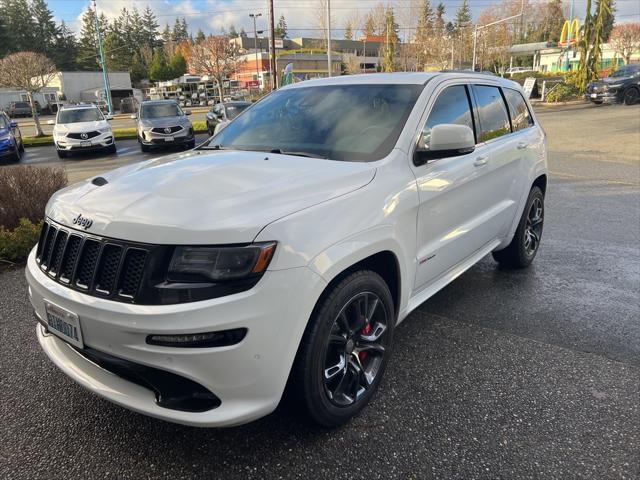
point(526, 374)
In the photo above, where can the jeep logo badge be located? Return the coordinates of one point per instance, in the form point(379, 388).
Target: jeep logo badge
point(83, 222)
point(84, 136)
point(167, 130)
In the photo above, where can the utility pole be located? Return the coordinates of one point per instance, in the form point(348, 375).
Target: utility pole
point(272, 48)
point(105, 77)
point(329, 36)
point(255, 44)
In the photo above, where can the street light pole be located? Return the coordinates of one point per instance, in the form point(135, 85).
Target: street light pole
point(255, 43)
point(105, 77)
point(566, 62)
point(329, 36)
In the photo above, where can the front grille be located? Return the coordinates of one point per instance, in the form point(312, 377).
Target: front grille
point(79, 136)
point(91, 264)
point(161, 130)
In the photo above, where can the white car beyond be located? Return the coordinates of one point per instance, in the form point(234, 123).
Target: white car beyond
point(82, 128)
point(285, 250)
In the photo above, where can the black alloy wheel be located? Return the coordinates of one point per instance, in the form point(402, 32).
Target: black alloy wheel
point(631, 96)
point(526, 241)
point(355, 349)
point(345, 349)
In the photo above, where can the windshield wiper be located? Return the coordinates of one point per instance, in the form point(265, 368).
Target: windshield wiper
point(296, 153)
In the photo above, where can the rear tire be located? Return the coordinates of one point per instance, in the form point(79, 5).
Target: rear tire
point(526, 241)
point(345, 349)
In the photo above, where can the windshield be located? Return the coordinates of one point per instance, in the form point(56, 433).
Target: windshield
point(157, 110)
point(21, 105)
point(80, 115)
point(340, 122)
point(626, 72)
point(3, 122)
point(234, 110)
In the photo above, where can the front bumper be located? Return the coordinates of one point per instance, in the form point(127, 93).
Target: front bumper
point(65, 143)
point(148, 137)
point(608, 96)
point(248, 377)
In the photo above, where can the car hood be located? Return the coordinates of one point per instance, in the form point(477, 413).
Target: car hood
point(80, 127)
point(205, 197)
point(164, 121)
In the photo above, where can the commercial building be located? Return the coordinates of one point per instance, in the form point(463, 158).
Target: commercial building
point(89, 86)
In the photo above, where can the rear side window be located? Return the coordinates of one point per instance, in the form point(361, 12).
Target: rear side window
point(520, 115)
point(494, 121)
point(452, 106)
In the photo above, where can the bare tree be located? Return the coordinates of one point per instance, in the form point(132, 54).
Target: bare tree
point(352, 63)
point(320, 20)
point(216, 57)
point(625, 39)
point(30, 72)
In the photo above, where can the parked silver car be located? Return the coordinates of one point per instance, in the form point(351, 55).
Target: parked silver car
point(163, 123)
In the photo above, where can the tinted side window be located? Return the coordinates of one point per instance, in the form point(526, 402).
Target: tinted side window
point(452, 106)
point(520, 116)
point(494, 121)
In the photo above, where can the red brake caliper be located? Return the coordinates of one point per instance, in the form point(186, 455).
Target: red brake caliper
point(365, 331)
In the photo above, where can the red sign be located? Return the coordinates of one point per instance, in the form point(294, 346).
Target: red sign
point(252, 83)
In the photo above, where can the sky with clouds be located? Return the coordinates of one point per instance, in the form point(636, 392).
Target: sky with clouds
point(214, 15)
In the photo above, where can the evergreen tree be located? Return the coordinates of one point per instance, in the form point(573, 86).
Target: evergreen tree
point(391, 40)
point(200, 36)
point(608, 20)
point(232, 32)
point(45, 29)
point(348, 31)
point(159, 69)
point(65, 49)
point(20, 25)
point(463, 16)
point(138, 69)
point(243, 34)
point(178, 65)
point(425, 27)
point(87, 58)
point(4, 38)
point(149, 27)
point(281, 28)
point(438, 22)
point(166, 35)
point(369, 28)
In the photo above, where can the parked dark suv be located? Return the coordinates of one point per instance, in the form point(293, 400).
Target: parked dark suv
point(623, 86)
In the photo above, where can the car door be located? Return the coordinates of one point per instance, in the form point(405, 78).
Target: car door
point(506, 168)
point(452, 191)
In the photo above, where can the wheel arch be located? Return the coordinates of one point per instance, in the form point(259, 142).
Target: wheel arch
point(541, 182)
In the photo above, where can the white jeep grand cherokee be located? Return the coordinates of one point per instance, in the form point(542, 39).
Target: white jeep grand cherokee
point(284, 251)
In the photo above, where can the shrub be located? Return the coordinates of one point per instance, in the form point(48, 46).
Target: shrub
point(24, 192)
point(16, 244)
point(563, 92)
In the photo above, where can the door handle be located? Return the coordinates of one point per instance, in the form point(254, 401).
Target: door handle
point(480, 161)
point(522, 145)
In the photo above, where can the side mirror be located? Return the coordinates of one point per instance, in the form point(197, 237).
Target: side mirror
point(446, 140)
point(109, 117)
point(134, 116)
point(13, 124)
point(50, 122)
point(187, 112)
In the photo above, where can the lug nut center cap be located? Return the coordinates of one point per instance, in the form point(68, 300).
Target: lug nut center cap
point(350, 345)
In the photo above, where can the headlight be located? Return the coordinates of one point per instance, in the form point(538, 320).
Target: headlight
point(105, 130)
point(219, 264)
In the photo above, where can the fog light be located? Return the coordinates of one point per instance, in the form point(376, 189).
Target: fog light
point(222, 338)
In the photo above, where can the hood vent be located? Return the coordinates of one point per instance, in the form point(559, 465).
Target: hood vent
point(99, 181)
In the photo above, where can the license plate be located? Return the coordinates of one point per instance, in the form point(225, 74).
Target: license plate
point(169, 139)
point(85, 144)
point(594, 95)
point(64, 324)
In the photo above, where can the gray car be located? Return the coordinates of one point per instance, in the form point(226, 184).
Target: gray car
point(163, 123)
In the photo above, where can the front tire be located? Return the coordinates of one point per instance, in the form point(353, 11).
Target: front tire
point(631, 96)
point(144, 148)
point(111, 149)
point(526, 241)
point(61, 154)
point(345, 349)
